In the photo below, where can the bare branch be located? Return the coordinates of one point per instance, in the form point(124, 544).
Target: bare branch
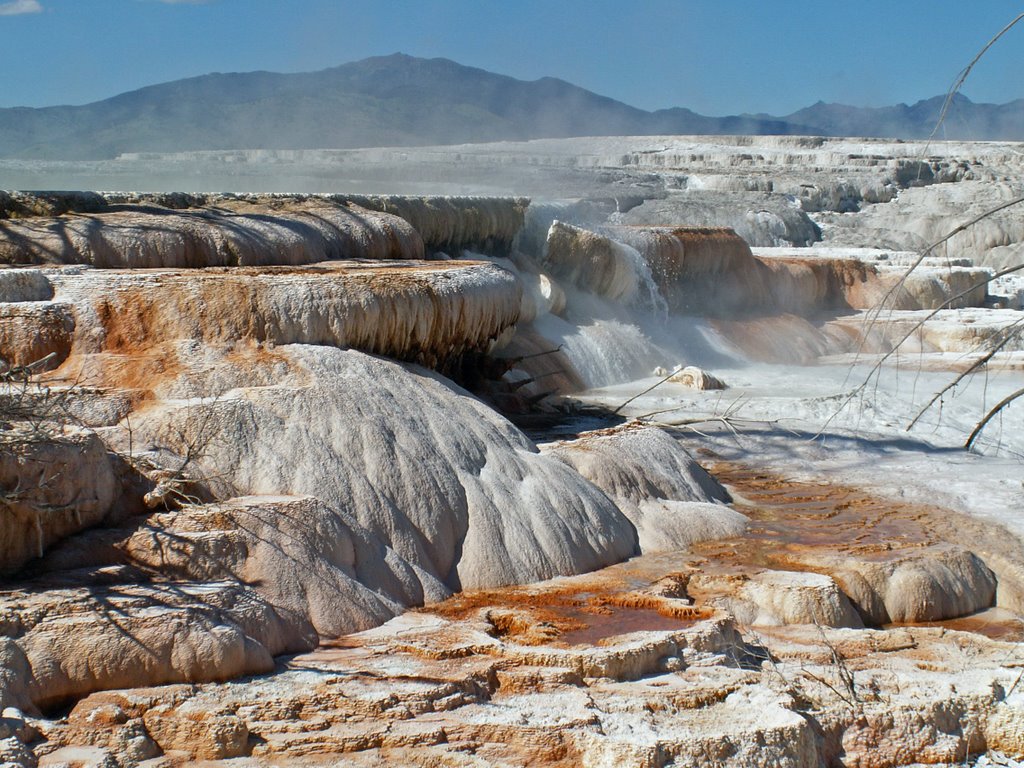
point(962, 77)
point(877, 311)
point(991, 414)
point(1008, 335)
point(917, 326)
point(641, 394)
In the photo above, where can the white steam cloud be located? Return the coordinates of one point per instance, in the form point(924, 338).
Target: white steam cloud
point(18, 7)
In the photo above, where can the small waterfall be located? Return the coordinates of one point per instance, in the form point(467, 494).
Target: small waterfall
point(603, 351)
point(648, 296)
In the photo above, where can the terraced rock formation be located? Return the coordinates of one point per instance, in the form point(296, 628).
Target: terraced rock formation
point(235, 430)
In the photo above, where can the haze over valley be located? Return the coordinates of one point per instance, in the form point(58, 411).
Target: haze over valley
point(401, 100)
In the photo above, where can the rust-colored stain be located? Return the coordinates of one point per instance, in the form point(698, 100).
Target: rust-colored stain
point(793, 518)
point(584, 613)
point(794, 526)
point(598, 627)
point(127, 322)
point(996, 625)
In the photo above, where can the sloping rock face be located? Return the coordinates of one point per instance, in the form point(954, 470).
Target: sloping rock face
point(443, 224)
point(33, 330)
point(51, 485)
point(591, 262)
point(700, 270)
point(213, 592)
point(257, 479)
point(18, 285)
point(713, 273)
point(430, 313)
point(453, 225)
point(922, 217)
point(758, 218)
point(432, 471)
point(864, 278)
point(303, 557)
point(201, 593)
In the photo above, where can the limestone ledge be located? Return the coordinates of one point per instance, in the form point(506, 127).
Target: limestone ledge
point(424, 311)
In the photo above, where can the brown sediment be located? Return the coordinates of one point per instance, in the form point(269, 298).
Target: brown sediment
point(597, 627)
point(789, 518)
point(585, 612)
point(877, 549)
point(995, 623)
point(803, 526)
point(128, 322)
point(137, 374)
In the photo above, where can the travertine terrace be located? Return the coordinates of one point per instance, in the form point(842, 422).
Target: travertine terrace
point(268, 499)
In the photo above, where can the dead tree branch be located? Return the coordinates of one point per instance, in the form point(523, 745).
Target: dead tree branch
point(990, 415)
point(877, 367)
point(954, 89)
point(1009, 335)
point(877, 311)
point(641, 394)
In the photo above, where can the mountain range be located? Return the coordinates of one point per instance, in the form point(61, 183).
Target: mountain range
point(401, 100)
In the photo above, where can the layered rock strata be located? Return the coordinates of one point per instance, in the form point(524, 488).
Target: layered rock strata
point(444, 224)
point(149, 237)
point(255, 478)
point(585, 671)
point(713, 272)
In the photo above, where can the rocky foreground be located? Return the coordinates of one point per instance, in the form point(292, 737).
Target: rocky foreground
point(263, 500)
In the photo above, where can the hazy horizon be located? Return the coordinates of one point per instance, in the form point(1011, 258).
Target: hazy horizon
point(716, 59)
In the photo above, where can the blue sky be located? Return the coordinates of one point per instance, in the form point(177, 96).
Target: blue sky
point(714, 56)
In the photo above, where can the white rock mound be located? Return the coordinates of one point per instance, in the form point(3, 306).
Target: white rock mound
point(697, 378)
point(447, 483)
point(201, 593)
point(299, 555)
point(775, 598)
point(656, 483)
point(934, 583)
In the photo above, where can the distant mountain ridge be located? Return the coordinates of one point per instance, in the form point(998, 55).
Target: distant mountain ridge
point(401, 100)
